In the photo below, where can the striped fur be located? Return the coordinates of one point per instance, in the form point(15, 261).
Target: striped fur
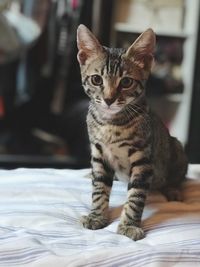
point(127, 140)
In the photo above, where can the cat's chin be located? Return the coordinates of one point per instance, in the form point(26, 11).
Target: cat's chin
point(108, 113)
point(108, 116)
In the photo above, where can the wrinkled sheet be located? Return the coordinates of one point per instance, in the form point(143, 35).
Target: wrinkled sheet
point(40, 212)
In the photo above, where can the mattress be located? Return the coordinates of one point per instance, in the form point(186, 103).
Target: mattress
point(40, 212)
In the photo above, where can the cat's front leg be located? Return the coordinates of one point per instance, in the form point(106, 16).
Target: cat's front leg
point(140, 178)
point(102, 179)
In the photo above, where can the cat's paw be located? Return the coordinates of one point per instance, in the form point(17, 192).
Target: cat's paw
point(131, 231)
point(94, 222)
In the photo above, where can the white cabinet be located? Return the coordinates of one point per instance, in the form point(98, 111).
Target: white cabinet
point(172, 21)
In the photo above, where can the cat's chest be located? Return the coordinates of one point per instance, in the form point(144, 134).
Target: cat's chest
point(111, 139)
point(110, 135)
point(117, 157)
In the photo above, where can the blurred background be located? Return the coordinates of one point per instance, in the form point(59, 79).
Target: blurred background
point(42, 103)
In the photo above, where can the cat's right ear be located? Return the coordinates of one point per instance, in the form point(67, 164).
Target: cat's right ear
point(87, 43)
point(142, 50)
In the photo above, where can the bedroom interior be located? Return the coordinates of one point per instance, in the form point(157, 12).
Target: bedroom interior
point(45, 171)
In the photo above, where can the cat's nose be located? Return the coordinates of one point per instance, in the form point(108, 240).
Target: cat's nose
point(109, 101)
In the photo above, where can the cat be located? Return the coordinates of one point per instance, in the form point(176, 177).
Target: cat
point(128, 141)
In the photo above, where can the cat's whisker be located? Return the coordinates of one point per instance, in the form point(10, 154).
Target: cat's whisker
point(143, 113)
point(141, 125)
point(128, 115)
point(134, 113)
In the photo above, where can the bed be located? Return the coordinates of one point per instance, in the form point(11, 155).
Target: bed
point(39, 223)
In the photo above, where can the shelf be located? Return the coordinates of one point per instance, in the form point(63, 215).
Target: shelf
point(128, 28)
point(172, 97)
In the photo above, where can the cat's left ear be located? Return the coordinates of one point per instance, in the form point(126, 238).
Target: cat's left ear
point(142, 50)
point(88, 45)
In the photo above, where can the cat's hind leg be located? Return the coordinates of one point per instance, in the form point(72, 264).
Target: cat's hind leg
point(172, 193)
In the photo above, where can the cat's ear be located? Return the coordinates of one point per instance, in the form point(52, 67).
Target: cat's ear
point(87, 43)
point(142, 50)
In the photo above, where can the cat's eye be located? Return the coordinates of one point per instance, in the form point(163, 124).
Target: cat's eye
point(126, 82)
point(96, 80)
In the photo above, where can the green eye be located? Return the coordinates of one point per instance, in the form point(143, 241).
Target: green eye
point(126, 82)
point(96, 80)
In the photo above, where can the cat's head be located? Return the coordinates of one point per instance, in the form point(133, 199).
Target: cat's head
point(113, 78)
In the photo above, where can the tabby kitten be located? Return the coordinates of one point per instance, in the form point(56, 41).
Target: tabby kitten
point(127, 140)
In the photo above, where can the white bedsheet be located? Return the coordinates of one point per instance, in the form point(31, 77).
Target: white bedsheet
point(39, 224)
